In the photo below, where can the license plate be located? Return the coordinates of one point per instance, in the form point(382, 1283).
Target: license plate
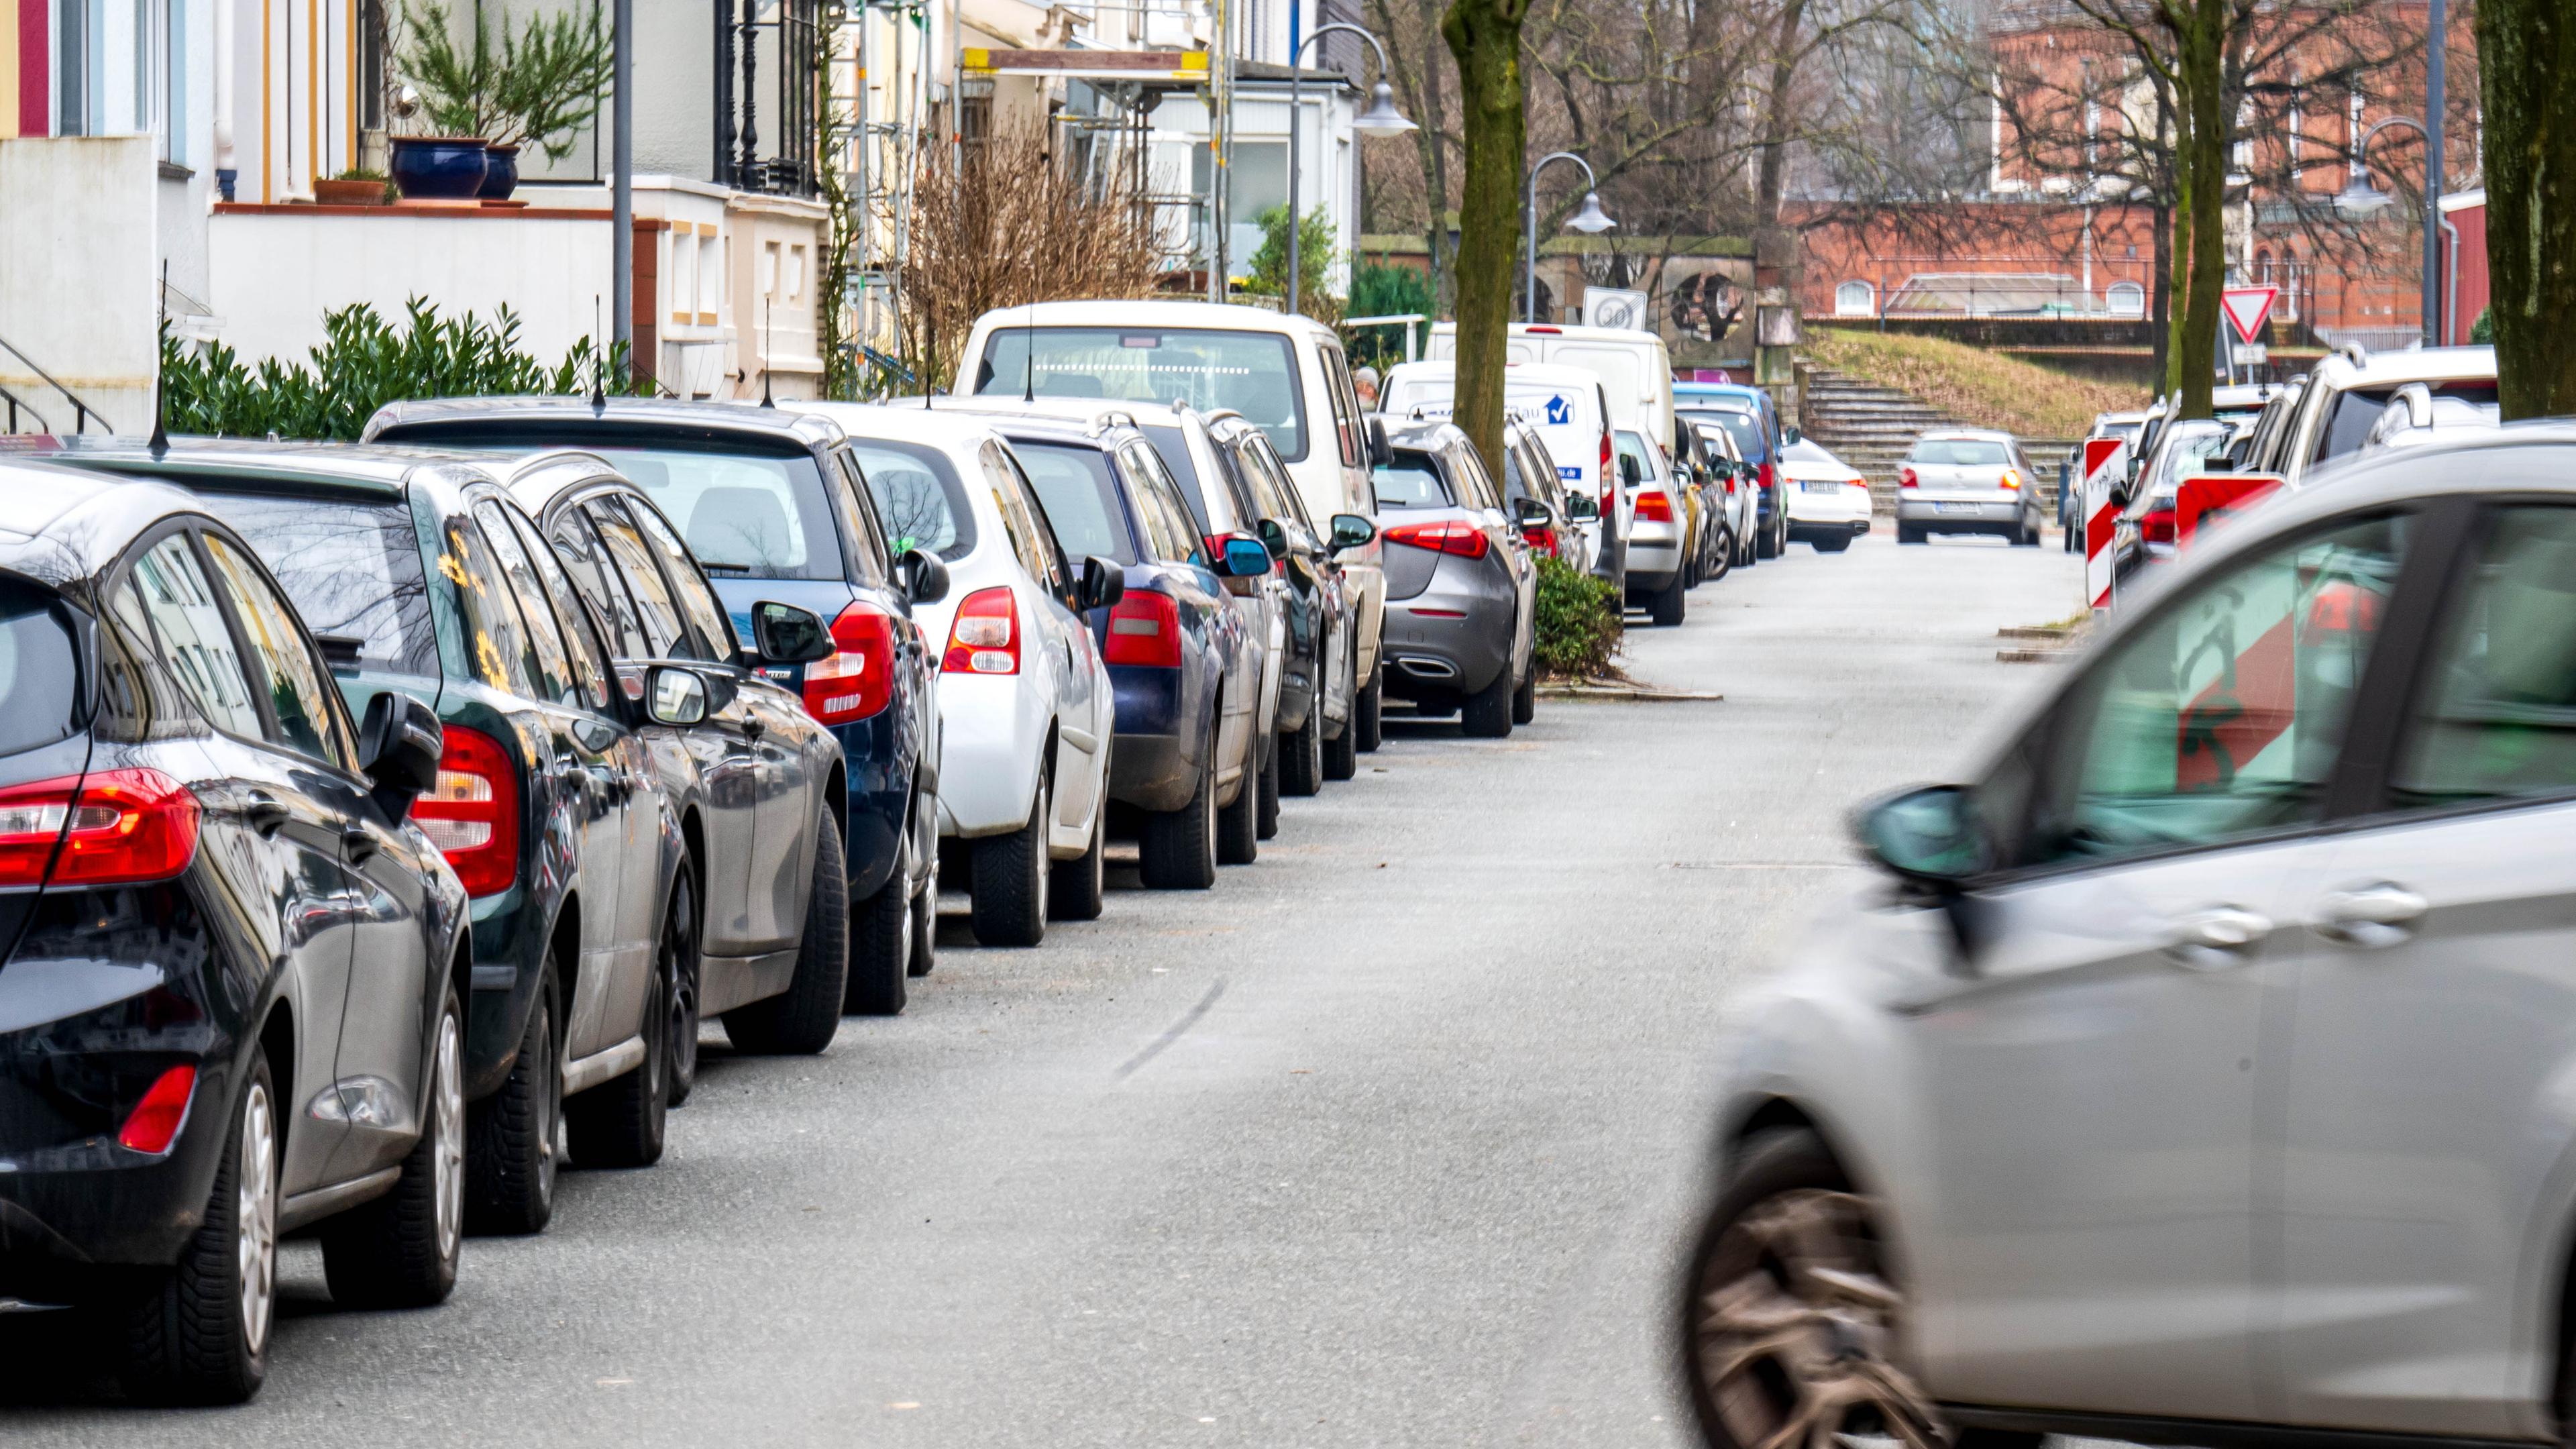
point(1821, 487)
point(1955, 507)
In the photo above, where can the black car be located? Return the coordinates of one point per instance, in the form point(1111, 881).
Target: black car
point(232, 999)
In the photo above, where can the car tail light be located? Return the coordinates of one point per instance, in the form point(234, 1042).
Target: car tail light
point(1144, 628)
point(1730, 485)
point(1766, 477)
point(114, 827)
point(1605, 456)
point(1452, 536)
point(2156, 525)
point(2011, 481)
point(858, 679)
point(1654, 507)
point(471, 812)
point(1540, 536)
point(155, 1121)
point(1905, 478)
point(985, 637)
point(1544, 331)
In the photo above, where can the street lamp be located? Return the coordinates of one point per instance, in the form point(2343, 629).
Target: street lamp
point(1381, 118)
point(2359, 201)
point(1590, 220)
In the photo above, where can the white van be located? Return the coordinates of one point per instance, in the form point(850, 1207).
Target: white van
point(1285, 374)
point(1568, 407)
point(1635, 368)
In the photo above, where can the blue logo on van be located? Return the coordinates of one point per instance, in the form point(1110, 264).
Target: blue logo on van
point(1559, 412)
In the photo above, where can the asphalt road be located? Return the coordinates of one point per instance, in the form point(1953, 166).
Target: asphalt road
point(1391, 1139)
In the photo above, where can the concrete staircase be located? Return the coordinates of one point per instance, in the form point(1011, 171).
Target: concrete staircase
point(1867, 426)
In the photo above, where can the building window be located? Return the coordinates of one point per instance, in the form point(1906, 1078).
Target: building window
point(2125, 299)
point(1855, 299)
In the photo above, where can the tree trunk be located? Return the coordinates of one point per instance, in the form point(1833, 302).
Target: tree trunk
point(1485, 36)
point(2161, 284)
point(2527, 70)
point(1775, 121)
point(2201, 58)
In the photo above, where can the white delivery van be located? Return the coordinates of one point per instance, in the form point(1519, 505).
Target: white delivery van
point(1285, 374)
point(1568, 407)
point(1635, 368)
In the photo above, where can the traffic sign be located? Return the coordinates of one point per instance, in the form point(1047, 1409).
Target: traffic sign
point(2246, 309)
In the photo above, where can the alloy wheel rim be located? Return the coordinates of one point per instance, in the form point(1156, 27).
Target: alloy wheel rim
point(680, 982)
point(550, 1150)
point(255, 1219)
point(447, 1157)
point(1793, 1326)
point(1038, 861)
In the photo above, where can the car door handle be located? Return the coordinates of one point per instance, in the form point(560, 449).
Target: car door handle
point(358, 845)
point(2370, 916)
point(266, 815)
point(2217, 939)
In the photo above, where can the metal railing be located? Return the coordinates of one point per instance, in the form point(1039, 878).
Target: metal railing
point(82, 412)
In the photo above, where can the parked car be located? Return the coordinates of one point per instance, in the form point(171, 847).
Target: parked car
point(1699, 481)
point(2126, 426)
point(2144, 532)
point(1186, 673)
point(1753, 419)
point(1530, 472)
point(1966, 480)
point(2197, 1070)
point(1737, 484)
point(1658, 558)
point(1026, 707)
point(1286, 374)
point(1567, 408)
point(236, 969)
point(1829, 503)
point(774, 506)
point(1634, 367)
point(2348, 391)
point(1461, 585)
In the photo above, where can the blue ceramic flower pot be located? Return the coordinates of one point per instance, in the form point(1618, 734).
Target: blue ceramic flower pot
point(438, 168)
point(500, 172)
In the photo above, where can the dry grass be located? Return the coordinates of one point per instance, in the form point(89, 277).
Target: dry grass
point(1980, 388)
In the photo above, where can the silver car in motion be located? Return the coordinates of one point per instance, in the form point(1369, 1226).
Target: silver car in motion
point(2203, 1069)
point(1965, 480)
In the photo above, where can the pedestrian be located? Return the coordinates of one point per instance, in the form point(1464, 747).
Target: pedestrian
point(1364, 381)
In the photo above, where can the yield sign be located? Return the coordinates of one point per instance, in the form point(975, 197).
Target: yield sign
point(2246, 308)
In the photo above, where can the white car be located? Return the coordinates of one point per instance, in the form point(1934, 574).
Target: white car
point(1828, 498)
point(1026, 710)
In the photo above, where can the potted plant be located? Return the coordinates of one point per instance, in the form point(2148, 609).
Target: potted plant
point(356, 186)
point(438, 168)
point(535, 87)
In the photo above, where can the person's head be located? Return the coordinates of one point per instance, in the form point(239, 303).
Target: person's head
point(1364, 381)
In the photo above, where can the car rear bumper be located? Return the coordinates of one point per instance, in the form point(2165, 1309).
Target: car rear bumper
point(1965, 514)
point(1154, 763)
point(992, 730)
point(1843, 505)
point(1455, 636)
point(1653, 559)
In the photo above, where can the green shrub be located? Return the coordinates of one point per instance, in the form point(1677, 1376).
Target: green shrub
point(2482, 331)
point(1381, 289)
point(362, 364)
point(1578, 621)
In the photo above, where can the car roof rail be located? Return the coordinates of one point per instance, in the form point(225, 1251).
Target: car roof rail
point(2354, 353)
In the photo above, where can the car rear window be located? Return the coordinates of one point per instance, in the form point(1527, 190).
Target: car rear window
point(1080, 497)
point(1173, 448)
point(1959, 452)
point(39, 671)
point(2356, 409)
point(352, 569)
point(1744, 428)
point(1411, 481)
point(919, 495)
point(1207, 368)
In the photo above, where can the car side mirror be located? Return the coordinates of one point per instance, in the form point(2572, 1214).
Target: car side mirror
point(1380, 454)
point(1581, 508)
point(1244, 557)
point(675, 694)
point(1630, 475)
point(1104, 583)
point(786, 634)
point(925, 578)
point(1351, 531)
point(1929, 836)
point(1531, 511)
point(399, 745)
point(1791, 437)
point(1274, 538)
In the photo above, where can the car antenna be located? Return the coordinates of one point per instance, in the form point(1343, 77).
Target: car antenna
point(765, 399)
point(598, 362)
point(160, 395)
point(1029, 357)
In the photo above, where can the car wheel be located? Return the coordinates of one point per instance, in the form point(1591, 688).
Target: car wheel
point(925, 924)
point(1666, 604)
point(1082, 882)
point(1301, 754)
point(400, 1250)
point(1368, 713)
point(1342, 756)
point(1789, 1311)
point(1487, 714)
point(1238, 826)
point(1178, 848)
point(619, 1122)
point(681, 943)
point(1008, 875)
point(1725, 556)
point(197, 1332)
point(1908, 532)
point(802, 1020)
point(881, 942)
point(514, 1138)
point(1266, 818)
point(1525, 696)
point(2027, 534)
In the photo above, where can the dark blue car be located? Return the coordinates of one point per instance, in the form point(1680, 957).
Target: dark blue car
point(773, 506)
point(1750, 417)
point(1187, 674)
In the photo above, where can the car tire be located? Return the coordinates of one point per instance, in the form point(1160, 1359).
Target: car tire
point(620, 1122)
point(1177, 851)
point(1368, 715)
point(925, 926)
point(1266, 817)
point(400, 1251)
point(2026, 535)
point(1666, 605)
point(1487, 714)
point(1009, 876)
point(197, 1333)
point(1909, 532)
point(1301, 754)
point(1238, 826)
point(881, 938)
point(1081, 883)
point(683, 946)
point(1784, 1180)
point(514, 1138)
point(1342, 756)
point(802, 1020)
point(1525, 696)
point(1725, 556)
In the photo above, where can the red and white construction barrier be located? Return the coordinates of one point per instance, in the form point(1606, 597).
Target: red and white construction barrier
point(2106, 462)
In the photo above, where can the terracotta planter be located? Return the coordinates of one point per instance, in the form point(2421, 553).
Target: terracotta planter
point(349, 193)
point(438, 168)
point(500, 172)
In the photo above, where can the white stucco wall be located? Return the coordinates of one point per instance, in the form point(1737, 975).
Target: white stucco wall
point(78, 281)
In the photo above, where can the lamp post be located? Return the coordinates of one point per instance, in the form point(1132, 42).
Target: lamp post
point(2359, 200)
point(1380, 117)
point(1591, 220)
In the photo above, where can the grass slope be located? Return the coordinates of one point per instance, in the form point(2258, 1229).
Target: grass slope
point(1981, 388)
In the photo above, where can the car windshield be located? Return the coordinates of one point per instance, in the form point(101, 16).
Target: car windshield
point(746, 514)
point(919, 496)
point(2185, 447)
point(1411, 481)
point(1080, 497)
point(2357, 409)
point(39, 672)
point(1250, 372)
point(353, 571)
point(1744, 428)
point(1958, 452)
